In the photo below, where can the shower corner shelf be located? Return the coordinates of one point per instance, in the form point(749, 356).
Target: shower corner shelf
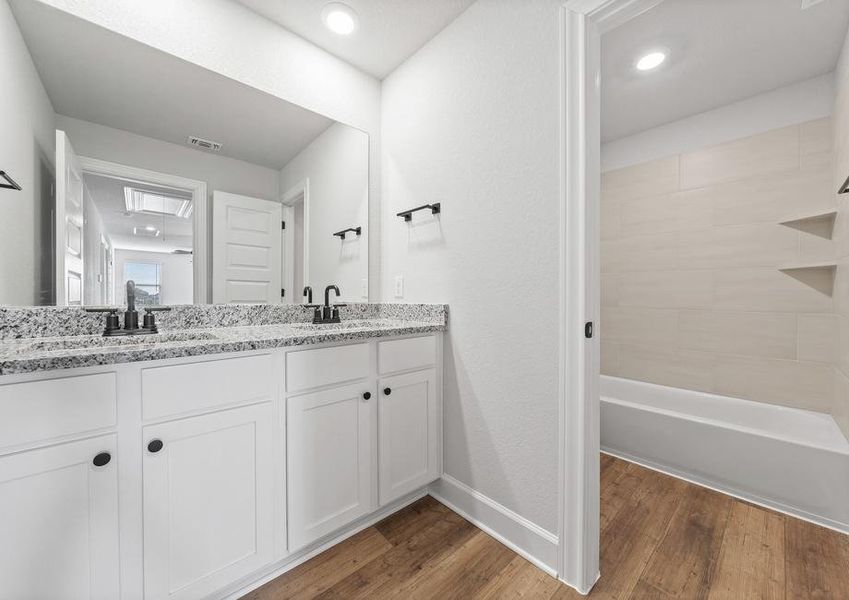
point(830, 265)
point(817, 275)
point(820, 224)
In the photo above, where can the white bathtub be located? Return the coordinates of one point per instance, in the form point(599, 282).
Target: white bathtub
point(794, 461)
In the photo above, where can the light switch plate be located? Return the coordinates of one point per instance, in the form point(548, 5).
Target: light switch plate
point(399, 286)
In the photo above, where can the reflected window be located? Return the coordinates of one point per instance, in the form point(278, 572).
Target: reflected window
point(148, 279)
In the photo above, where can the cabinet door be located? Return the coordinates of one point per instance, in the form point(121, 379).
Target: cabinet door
point(208, 501)
point(59, 522)
point(329, 461)
point(408, 433)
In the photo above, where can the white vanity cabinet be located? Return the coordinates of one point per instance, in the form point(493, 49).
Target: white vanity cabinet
point(59, 522)
point(59, 532)
point(188, 478)
point(208, 501)
point(408, 416)
point(329, 459)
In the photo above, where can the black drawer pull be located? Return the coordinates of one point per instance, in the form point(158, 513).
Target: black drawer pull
point(367, 396)
point(155, 446)
point(102, 459)
point(387, 391)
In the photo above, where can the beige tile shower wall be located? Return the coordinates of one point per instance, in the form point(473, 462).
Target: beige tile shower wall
point(692, 295)
point(840, 128)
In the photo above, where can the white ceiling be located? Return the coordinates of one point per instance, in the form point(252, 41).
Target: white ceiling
point(107, 193)
point(389, 32)
point(96, 75)
point(721, 51)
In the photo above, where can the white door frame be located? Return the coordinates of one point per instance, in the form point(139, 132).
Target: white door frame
point(200, 248)
point(290, 197)
point(582, 23)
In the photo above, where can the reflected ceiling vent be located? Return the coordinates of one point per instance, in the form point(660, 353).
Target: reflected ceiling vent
point(203, 144)
point(809, 3)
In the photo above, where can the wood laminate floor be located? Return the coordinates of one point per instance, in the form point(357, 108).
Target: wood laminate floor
point(661, 538)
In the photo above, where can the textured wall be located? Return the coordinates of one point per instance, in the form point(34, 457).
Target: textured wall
point(692, 294)
point(841, 234)
point(26, 152)
point(471, 121)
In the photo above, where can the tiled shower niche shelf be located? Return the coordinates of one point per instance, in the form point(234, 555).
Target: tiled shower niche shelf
point(820, 224)
point(818, 275)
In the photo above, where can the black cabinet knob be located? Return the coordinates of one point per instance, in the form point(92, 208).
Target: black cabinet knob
point(387, 391)
point(102, 459)
point(155, 446)
point(367, 396)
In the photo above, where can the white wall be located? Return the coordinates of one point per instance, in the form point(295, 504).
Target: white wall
point(26, 153)
point(471, 121)
point(219, 172)
point(176, 275)
point(240, 44)
point(336, 164)
point(804, 101)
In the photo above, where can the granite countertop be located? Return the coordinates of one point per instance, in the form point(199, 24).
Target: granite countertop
point(27, 355)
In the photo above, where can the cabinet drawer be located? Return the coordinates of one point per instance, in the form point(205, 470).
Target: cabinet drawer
point(193, 387)
point(37, 411)
point(410, 353)
point(325, 366)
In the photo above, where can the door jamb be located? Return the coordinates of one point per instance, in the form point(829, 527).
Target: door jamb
point(582, 23)
point(200, 235)
point(297, 192)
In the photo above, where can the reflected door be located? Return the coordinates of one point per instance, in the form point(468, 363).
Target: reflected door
point(69, 224)
point(246, 249)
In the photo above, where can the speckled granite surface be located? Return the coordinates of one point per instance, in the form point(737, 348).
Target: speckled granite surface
point(51, 321)
point(201, 330)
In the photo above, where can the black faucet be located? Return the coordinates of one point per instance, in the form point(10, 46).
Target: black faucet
point(328, 313)
point(308, 294)
point(131, 316)
point(327, 294)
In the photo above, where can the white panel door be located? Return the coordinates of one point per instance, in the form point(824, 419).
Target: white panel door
point(329, 461)
point(59, 523)
point(246, 249)
point(408, 435)
point(208, 501)
point(69, 224)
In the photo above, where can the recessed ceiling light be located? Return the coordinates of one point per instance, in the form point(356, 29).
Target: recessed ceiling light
point(339, 18)
point(650, 61)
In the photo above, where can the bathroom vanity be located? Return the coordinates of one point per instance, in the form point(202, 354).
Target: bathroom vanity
point(190, 465)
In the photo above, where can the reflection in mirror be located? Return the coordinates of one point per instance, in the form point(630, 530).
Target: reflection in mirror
point(196, 187)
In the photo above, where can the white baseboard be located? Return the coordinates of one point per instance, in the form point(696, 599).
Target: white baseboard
point(514, 531)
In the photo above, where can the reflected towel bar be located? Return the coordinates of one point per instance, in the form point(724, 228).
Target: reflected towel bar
point(341, 234)
point(11, 185)
point(408, 214)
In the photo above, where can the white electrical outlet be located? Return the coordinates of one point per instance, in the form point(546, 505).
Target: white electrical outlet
point(364, 288)
point(399, 286)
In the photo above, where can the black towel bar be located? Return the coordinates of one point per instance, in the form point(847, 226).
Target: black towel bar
point(11, 185)
point(341, 234)
point(408, 214)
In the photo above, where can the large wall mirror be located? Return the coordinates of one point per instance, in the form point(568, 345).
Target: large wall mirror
point(194, 186)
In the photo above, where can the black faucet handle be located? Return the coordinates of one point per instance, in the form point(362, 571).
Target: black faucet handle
point(151, 309)
point(339, 305)
point(112, 322)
